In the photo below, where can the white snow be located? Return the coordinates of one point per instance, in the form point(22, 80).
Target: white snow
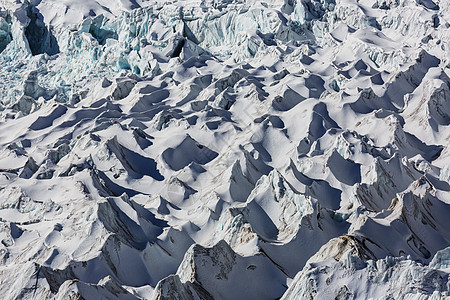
point(224, 149)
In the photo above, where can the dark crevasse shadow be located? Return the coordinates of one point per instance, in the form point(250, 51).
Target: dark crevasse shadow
point(135, 164)
point(430, 4)
point(43, 122)
point(315, 85)
point(109, 188)
point(344, 170)
point(40, 38)
point(261, 222)
point(186, 152)
point(5, 30)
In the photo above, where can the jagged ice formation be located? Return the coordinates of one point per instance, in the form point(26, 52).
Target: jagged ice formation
point(293, 149)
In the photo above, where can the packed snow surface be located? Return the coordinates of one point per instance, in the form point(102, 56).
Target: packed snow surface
point(224, 149)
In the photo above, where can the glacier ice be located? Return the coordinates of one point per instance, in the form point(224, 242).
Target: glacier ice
point(280, 149)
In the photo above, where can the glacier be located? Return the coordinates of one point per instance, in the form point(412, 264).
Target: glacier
point(225, 149)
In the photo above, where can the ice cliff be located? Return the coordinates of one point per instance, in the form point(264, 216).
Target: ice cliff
point(279, 149)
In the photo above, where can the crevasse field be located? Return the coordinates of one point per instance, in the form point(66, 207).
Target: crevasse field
point(224, 149)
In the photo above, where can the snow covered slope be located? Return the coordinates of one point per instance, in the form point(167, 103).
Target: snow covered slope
point(225, 149)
